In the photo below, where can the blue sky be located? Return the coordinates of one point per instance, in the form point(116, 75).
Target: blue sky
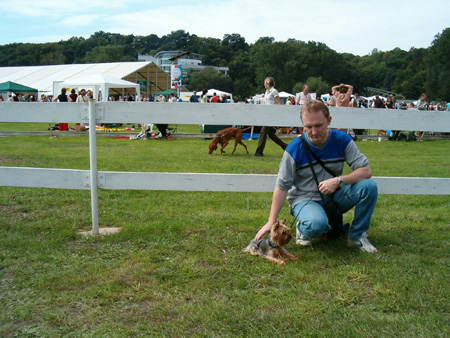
point(346, 25)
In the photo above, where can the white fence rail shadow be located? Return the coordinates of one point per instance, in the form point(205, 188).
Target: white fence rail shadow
point(216, 114)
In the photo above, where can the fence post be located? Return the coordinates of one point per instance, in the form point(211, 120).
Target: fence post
point(93, 166)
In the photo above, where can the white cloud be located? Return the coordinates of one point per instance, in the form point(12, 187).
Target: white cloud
point(80, 20)
point(57, 8)
point(45, 38)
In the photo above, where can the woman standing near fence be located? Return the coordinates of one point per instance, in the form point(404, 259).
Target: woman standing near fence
point(270, 97)
point(203, 97)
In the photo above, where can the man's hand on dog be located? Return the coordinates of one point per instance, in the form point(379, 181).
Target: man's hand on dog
point(264, 230)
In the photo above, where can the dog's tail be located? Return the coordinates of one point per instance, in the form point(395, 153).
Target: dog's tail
point(247, 128)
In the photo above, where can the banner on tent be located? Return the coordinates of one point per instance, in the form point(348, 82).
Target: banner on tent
point(142, 84)
point(175, 77)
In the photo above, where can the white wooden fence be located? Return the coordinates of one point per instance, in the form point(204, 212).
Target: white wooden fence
point(215, 114)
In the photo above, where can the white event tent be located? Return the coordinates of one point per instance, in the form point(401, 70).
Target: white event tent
point(285, 95)
point(98, 83)
point(219, 93)
point(185, 96)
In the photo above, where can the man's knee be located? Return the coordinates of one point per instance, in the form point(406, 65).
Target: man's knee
point(368, 188)
point(314, 226)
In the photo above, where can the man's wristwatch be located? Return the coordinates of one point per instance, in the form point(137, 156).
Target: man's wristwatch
point(341, 182)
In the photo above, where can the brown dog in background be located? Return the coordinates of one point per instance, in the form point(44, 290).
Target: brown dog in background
point(77, 127)
point(224, 136)
point(283, 130)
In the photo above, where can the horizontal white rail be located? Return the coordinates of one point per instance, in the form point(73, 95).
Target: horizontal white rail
point(80, 180)
point(222, 114)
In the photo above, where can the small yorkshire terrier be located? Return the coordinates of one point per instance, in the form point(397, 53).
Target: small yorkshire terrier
point(272, 247)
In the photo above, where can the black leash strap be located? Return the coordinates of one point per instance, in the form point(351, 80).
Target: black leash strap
point(307, 152)
point(308, 149)
point(333, 214)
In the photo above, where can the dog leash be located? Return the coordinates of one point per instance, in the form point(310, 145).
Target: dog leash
point(298, 213)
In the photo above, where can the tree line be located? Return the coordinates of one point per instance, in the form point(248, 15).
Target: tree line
point(292, 63)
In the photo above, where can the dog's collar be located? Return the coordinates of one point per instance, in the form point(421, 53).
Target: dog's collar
point(272, 244)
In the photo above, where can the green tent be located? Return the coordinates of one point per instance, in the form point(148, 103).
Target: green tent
point(166, 92)
point(15, 88)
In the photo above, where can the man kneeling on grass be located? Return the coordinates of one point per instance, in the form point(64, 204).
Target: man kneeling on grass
point(296, 182)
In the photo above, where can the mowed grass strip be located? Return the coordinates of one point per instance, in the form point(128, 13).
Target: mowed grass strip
point(177, 268)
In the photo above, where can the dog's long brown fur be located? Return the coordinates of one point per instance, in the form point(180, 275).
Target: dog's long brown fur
point(224, 136)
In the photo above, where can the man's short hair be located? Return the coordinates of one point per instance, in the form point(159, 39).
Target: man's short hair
point(313, 107)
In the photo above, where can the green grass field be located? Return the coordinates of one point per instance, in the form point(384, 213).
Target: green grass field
point(177, 268)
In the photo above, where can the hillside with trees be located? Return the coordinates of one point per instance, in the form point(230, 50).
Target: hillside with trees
point(292, 63)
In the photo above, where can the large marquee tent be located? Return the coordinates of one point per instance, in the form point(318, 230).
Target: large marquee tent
point(151, 78)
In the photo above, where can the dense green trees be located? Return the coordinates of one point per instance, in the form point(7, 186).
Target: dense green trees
point(292, 63)
point(209, 78)
point(315, 84)
point(438, 64)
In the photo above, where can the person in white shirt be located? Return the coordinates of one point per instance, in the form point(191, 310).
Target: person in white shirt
point(82, 97)
point(271, 97)
point(304, 96)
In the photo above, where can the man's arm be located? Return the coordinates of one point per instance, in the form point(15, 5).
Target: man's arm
point(278, 198)
point(335, 88)
point(329, 186)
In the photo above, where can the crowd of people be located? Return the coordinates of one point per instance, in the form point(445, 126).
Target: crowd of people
point(339, 96)
point(343, 96)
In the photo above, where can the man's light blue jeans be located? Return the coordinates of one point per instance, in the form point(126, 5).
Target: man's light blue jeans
point(362, 195)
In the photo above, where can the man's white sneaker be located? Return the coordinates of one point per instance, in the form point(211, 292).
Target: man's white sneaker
point(302, 239)
point(363, 243)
